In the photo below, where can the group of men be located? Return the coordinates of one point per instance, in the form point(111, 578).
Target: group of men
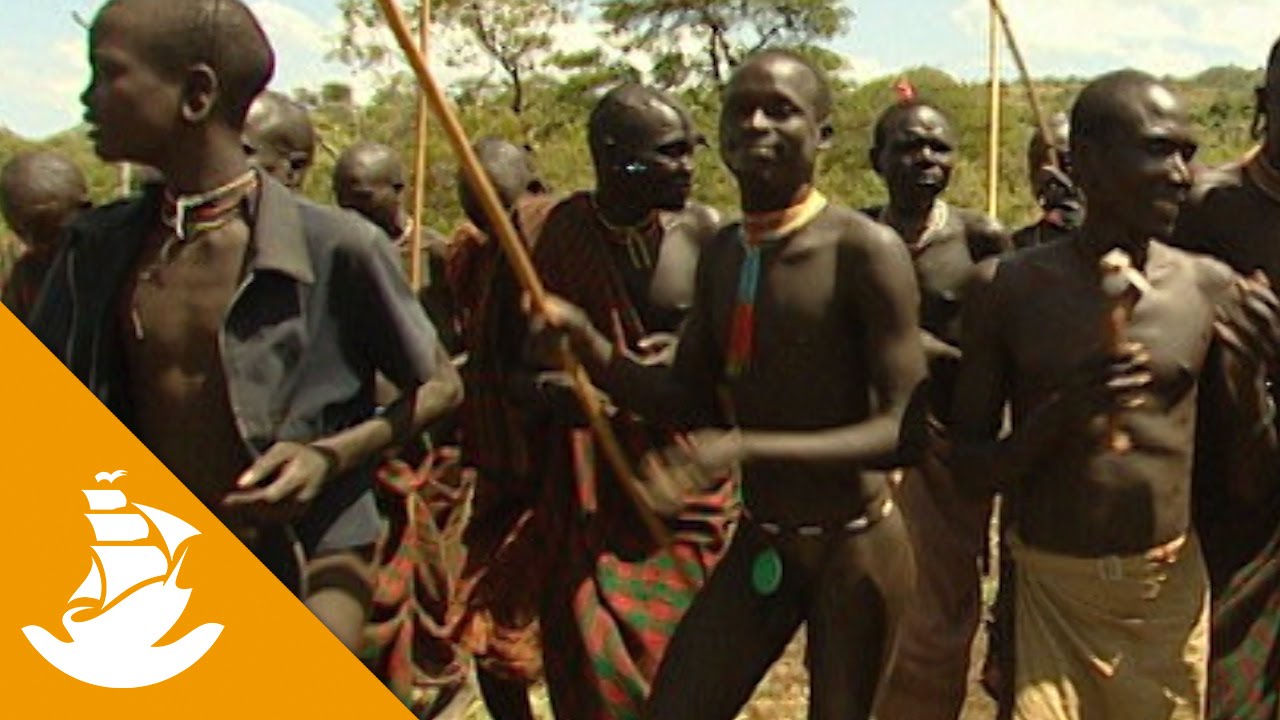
point(819, 403)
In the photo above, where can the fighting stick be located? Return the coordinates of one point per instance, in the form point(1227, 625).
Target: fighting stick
point(1041, 122)
point(522, 266)
point(1123, 285)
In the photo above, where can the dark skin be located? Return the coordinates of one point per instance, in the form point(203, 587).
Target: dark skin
point(831, 335)
point(662, 139)
point(40, 193)
point(916, 160)
point(278, 135)
point(1230, 218)
point(1050, 182)
point(1034, 337)
point(369, 179)
point(173, 121)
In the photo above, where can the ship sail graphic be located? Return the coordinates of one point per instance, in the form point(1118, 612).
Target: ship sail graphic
point(128, 601)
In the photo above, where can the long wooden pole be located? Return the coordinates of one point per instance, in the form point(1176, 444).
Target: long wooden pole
point(993, 128)
point(1042, 122)
point(521, 264)
point(420, 158)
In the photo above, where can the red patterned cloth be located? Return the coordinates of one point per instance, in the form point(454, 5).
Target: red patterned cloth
point(613, 599)
point(407, 642)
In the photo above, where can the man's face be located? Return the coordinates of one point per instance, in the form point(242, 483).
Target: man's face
point(655, 166)
point(132, 109)
point(280, 155)
point(1141, 175)
point(918, 154)
point(770, 129)
point(1269, 103)
point(374, 193)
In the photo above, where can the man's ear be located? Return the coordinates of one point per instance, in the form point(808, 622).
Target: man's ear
point(825, 133)
point(200, 93)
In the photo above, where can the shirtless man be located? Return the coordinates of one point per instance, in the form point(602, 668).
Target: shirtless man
point(913, 149)
point(369, 178)
point(280, 139)
point(183, 310)
point(41, 192)
point(1234, 215)
point(1111, 595)
point(1055, 192)
point(805, 319)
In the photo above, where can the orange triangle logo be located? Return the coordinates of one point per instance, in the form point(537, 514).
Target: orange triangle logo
point(124, 596)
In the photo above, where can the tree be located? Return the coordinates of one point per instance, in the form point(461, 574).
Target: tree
point(515, 35)
point(726, 30)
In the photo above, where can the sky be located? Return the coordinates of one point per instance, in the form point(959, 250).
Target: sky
point(43, 50)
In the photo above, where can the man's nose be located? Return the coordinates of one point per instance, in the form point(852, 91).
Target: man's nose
point(1180, 171)
point(757, 120)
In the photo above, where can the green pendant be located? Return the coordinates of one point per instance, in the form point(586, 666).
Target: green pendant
point(766, 572)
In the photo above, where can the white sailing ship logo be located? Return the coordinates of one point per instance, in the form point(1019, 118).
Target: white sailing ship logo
point(129, 601)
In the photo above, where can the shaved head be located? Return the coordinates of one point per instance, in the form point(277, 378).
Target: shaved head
point(511, 171)
point(279, 137)
point(815, 85)
point(370, 179)
point(624, 114)
point(39, 192)
point(174, 36)
point(369, 160)
point(1111, 103)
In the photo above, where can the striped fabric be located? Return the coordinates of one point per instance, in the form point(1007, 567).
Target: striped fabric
point(613, 599)
point(1244, 666)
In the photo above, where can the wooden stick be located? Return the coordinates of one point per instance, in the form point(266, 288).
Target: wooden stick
point(1122, 293)
point(1041, 121)
point(420, 159)
point(521, 264)
point(993, 128)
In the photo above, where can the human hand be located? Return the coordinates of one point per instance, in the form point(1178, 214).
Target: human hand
point(554, 326)
point(296, 473)
point(1122, 381)
point(1249, 323)
point(674, 473)
point(656, 349)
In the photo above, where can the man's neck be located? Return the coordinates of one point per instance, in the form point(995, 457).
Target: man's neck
point(765, 198)
point(911, 210)
point(205, 167)
point(616, 209)
point(1096, 239)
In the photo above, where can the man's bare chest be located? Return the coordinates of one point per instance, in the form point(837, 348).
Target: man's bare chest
point(179, 297)
point(1056, 332)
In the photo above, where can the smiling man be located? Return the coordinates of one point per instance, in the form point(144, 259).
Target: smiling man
point(803, 335)
point(914, 150)
point(1111, 601)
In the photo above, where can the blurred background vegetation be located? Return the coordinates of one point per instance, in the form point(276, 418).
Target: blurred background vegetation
point(539, 96)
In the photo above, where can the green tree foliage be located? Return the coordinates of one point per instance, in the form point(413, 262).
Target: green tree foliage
point(515, 35)
point(553, 124)
point(727, 30)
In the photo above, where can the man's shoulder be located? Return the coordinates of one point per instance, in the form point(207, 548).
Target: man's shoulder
point(858, 231)
point(976, 220)
point(1212, 276)
point(105, 219)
